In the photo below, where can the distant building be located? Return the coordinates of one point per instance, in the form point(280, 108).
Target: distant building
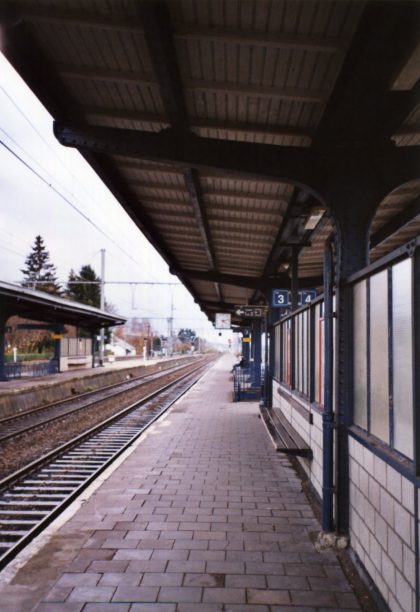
point(120, 348)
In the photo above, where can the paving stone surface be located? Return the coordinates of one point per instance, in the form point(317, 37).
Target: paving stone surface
point(203, 515)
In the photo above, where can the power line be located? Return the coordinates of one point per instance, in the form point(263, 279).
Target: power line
point(11, 251)
point(67, 201)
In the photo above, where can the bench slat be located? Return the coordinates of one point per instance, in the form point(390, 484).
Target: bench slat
point(286, 438)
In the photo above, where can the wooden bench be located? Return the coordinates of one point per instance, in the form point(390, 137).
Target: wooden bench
point(285, 437)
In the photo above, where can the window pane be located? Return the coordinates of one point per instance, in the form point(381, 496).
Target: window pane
point(402, 357)
point(276, 339)
point(360, 356)
point(379, 392)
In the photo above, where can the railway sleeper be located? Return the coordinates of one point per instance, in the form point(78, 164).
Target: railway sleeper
point(46, 489)
point(15, 527)
point(8, 539)
point(21, 505)
point(66, 475)
point(21, 514)
point(80, 459)
point(66, 468)
point(34, 497)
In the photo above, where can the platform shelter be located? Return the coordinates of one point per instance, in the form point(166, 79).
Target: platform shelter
point(54, 312)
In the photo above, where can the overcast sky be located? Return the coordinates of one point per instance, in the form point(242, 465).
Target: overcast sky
point(50, 190)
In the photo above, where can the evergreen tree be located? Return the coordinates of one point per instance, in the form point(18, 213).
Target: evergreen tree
point(85, 292)
point(186, 335)
point(39, 272)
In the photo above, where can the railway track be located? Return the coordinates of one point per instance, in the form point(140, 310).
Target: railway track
point(33, 497)
point(42, 415)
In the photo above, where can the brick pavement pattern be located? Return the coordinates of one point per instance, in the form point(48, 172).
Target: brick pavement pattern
point(203, 516)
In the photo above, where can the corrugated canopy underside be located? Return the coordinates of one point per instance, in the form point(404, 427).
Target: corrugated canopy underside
point(248, 72)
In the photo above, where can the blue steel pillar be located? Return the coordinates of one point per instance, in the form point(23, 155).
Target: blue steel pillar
point(328, 413)
point(256, 351)
point(354, 200)
point(273, 317)
point(246, 347)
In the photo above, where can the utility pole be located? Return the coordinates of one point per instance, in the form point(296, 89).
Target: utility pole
point(102, 332)
point(170, 326)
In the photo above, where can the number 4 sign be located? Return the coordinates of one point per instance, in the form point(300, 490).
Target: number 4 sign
point(307, 296)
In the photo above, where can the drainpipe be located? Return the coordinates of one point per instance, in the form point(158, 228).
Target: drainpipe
point(328, 414)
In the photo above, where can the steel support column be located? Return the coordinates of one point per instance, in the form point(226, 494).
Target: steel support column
point(246, 347)
point(328, 414)
point(353, 203)
point(273, 317)
point(256, 351)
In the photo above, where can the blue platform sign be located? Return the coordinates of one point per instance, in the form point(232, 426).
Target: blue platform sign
point(280, 298)
point(307, 296)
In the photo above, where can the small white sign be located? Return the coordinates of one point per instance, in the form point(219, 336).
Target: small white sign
point(223, 320)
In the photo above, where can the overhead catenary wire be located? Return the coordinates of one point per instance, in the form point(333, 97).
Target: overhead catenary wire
point(67, 200)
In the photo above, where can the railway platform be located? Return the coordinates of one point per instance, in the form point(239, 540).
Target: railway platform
point(201, 514)
point(21, 394)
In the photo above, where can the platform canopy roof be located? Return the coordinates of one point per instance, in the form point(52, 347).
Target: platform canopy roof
point(212, 120)
point(42, 306)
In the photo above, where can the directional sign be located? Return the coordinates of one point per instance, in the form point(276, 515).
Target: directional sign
point(280, 298)
point(253, 312)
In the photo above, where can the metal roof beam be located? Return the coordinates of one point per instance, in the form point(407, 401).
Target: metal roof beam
point(259, 91)
point(176, 170)
point(259, 129)
point(250, 282)
point(303, 167)
point(158, 34)
point(218, 306)
point(361, 107)
point(262, 197)
point(267, 129)
point(406, 216)
point(286, 164)
point(192, 184)
point(212, 192)
point(277, 40)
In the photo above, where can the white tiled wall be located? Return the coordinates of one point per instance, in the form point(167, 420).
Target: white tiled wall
point(312, 434)
point(381, 511)
point(382, 526)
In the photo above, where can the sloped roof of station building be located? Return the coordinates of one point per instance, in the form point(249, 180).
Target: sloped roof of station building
point(42, 306)
point(203, 76)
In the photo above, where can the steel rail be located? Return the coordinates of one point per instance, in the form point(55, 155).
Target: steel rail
point(32, 497)
point(21, 420)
